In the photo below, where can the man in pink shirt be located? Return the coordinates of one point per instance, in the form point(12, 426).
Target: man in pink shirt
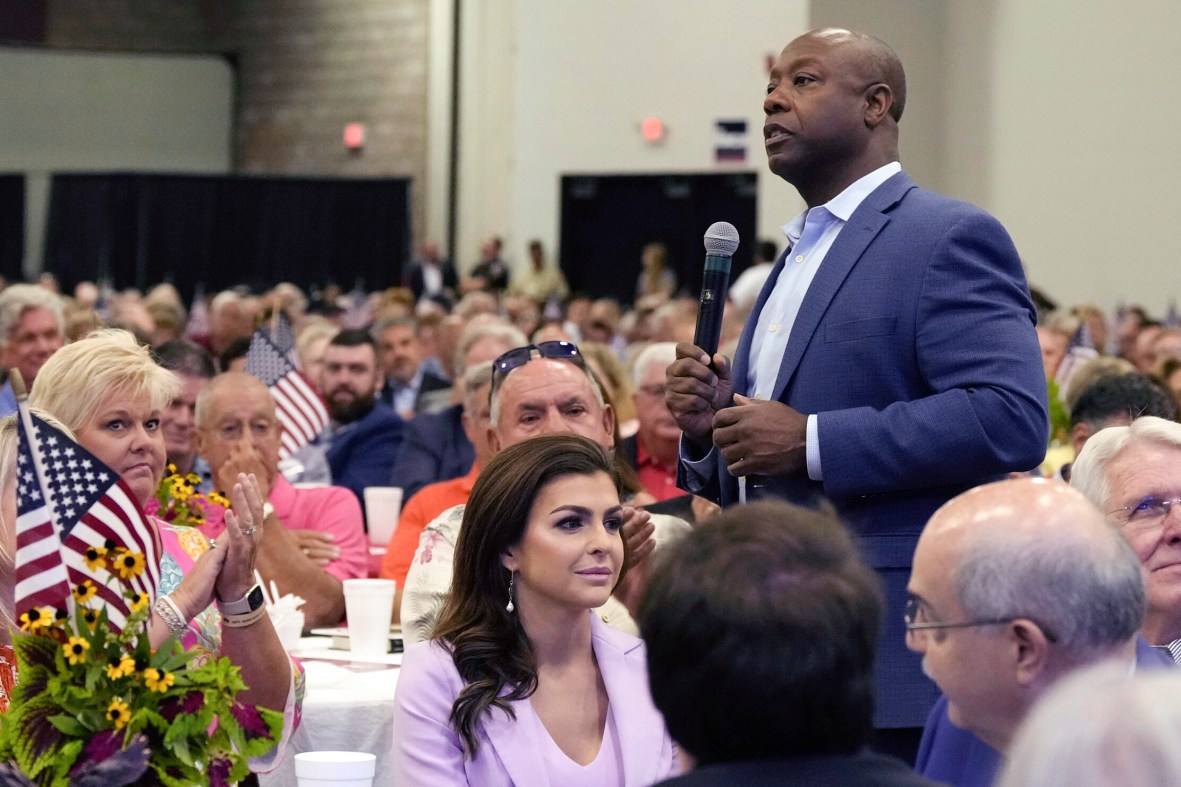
point(314, 537)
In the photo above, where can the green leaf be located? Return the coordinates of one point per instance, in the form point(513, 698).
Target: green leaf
point(68, 725)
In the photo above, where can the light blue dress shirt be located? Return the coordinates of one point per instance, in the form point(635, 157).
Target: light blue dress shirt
point(810, 235)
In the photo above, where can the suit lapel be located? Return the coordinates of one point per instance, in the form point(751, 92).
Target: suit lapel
point(641, 733)
point(854, 238)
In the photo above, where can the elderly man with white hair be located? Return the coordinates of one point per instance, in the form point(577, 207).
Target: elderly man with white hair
point(32, 328)
point(1134, 474)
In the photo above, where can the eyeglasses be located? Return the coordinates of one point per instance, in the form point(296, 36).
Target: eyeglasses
point(913, 609)
point(1147, 513)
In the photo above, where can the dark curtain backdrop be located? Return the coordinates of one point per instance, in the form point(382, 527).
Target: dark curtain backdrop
point(12, 226)
point(608, 219)
point(218, 231)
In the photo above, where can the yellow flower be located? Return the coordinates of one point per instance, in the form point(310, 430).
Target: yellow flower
point(85, 591)
point(76, 650)
point(125, 667)
point(193, 478)
point(170, 468)
point(137, 601)
point(118, 713)
point(95, 558)
point(156, 681)
point(36, 620)
point(129, 564)
point(91, 617)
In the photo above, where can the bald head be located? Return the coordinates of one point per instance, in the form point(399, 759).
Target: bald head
point(871, 58)
point(231, 385)
point(1037, 548)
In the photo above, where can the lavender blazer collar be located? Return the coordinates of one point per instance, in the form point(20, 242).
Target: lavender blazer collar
point(642, 737)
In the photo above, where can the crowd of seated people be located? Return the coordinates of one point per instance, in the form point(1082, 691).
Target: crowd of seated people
point(430, 387)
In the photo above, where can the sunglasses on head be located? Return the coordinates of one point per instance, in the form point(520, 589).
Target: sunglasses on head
point(519, 356)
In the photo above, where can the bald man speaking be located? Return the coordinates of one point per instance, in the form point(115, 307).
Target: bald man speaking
point(890, 361)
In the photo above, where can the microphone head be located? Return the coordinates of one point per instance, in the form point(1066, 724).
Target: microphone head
point(721, 239)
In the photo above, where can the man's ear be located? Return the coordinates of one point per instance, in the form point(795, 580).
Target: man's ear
point(1031, 651)
point(878, 100)
point(493, 440)
point(609, 421)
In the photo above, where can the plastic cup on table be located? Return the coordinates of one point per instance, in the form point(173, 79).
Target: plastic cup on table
point(383, 504)
point(369, 605)
point(335, 769)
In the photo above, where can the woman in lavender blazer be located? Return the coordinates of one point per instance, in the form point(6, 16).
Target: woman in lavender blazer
point(521, 684)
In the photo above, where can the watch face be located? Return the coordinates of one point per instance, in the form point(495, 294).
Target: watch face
point(255, 597)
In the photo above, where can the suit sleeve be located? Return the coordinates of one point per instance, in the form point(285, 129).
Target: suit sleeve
point(977, 351)
point(426, 750)
point(418, 460)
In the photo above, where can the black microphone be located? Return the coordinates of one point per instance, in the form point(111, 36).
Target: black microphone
point(721, 241)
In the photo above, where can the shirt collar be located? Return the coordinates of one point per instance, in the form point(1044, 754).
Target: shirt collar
point(843, 204)
point(414, 384)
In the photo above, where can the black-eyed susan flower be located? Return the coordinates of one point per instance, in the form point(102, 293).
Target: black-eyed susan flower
point(85, 591)
point(158, 681)
point(219, 498)
point(95, 557)
point(90, 616)
point(75, 650)
point(137, 601)
point(36, 620)
point(121, 669)
point(129, 564)
point(118, 713)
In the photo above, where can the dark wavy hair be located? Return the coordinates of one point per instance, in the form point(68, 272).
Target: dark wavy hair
point(488, 644)
point(761, 628)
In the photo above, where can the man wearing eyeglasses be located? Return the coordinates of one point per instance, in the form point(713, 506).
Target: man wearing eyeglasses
point(313, 538)
point(1134, 473)
point(1015, 584)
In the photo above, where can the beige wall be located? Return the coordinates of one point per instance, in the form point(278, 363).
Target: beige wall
point(561, 87)
point(1082, 143)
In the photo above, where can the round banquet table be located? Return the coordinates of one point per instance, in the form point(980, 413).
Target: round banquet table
point(348, 706)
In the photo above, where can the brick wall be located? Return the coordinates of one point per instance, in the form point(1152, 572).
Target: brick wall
point(305, 69)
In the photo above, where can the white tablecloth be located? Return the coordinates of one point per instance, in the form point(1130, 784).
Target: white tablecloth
point(349, 706)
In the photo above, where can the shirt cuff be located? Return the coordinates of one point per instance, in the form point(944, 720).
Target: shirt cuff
point(697, 472)
point(813, 448)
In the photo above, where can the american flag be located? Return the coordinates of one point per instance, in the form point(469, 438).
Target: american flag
point(299, 407)
point(278, 330)
point(67, 502)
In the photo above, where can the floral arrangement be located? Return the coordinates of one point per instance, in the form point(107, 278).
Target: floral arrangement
point(177, 500)
point(97, 706)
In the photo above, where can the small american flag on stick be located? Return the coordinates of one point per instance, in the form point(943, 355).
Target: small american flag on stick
point(300, 409)
point(77, 521)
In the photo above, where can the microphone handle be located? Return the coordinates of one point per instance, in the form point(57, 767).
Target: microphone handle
point(714, 285)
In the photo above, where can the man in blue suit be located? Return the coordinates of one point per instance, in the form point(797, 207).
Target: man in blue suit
point(890, 361)
point(365, 434)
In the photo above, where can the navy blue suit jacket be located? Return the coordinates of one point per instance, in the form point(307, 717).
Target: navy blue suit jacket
point(435, 448)
point(362, 453)
point(915, 345)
